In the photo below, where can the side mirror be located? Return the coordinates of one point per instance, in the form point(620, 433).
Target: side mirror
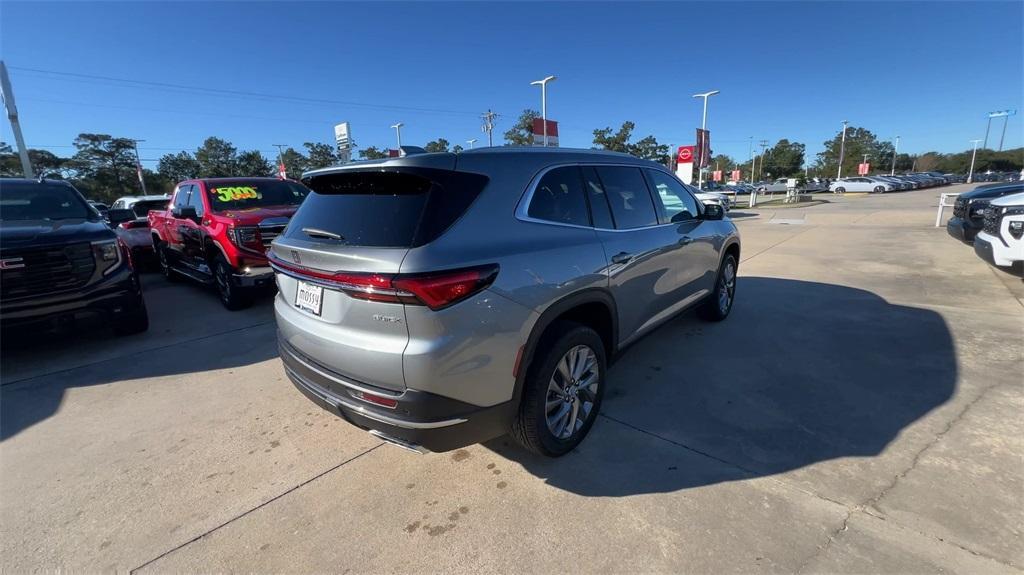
point(185, 213)
point(118, 216)
point(713, 212)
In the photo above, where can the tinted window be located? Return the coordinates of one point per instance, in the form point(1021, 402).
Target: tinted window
point(558, 197)
point(675, 202)
point(628, 196)
point(195, 199)
point(385, 209)
point(600, 213)
point(243, 194)
point(143, 208)
point(181, 196)
point(42, 201)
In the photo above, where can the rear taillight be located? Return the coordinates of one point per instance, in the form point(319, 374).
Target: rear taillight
point(436, 290)
point(134, 224)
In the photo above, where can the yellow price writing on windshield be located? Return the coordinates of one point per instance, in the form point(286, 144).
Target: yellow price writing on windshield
point(236, 193)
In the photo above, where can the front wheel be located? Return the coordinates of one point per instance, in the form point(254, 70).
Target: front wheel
point(879, 189)
point(718, 304)
point(231, 295)
point(840, 190)
point(564, 387)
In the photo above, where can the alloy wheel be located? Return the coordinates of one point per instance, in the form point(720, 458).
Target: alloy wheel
point(572, 391)
point(727, 287)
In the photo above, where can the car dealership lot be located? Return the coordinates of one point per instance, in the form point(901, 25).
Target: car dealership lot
point(859, 412)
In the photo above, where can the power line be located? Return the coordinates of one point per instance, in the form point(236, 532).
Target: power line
point(187, 113)
point(125, 82)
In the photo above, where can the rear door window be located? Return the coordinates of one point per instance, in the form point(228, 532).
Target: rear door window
point(600, 212)
point(628, 196)
point(559, 198)
point(402, 208)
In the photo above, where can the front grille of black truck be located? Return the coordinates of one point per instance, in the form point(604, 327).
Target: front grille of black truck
point(993, 215)
point(959, 210)
point(41, 271)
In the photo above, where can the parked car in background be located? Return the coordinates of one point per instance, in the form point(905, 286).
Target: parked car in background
point(716, 198)
point(100, 207)
point(779, 185)
point(896, 182)
point(477, 312)
point(1001, 240)
point(135, 232)
point(216, 231)
point(969, 209)
point(860, 184)
point(60, 261)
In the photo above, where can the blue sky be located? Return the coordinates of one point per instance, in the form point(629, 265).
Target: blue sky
point(926, 71)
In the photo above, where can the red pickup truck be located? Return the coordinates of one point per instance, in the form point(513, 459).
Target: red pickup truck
point(216, 231)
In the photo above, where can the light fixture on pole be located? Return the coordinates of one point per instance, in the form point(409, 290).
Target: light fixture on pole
point(703, 126)
point(471, 142)
point(398, 132)
point(544, 103)
point(892, 172)
point(970, 173)
point(842, 150)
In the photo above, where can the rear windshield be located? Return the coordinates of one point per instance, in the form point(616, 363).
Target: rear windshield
point(143, 208)
point(228, 195)
point(392, 209)
point(42, 201)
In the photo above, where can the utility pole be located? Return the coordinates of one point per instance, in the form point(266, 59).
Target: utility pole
point(842, 151)
point(544, 103)
point(398, 131)
point(892, 172)
point(970, 174)
point(12, 115)
point(488, 126)
point(750, 150)
point(282, 171)
point(764, 144)
point(138, 165)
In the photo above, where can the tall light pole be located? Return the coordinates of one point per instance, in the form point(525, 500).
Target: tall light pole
point(282, 171)
point(970, 174)
point(750, 150)
point(892, 172)
point(398, 132)
point(703, 127)
point(12, 115)
point(1006, 120)
point(471, 142)
point(544, 103)
point(842, 150)
point(138, 165)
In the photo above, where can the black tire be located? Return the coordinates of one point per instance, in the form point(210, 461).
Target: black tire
point(134, 321)
point(164, 263)
point(840, 190)
point(718, 304)
point(879, 189)
point(231, 295)
point(531, 427)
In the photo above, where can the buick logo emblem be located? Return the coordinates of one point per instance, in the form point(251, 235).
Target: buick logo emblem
point(11, 264)
point(295, 257)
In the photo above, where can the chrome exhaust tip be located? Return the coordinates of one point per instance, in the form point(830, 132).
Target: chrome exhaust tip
point(398, 442)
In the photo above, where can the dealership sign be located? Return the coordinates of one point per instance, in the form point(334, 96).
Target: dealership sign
point(863, 169)
point(703, 151)
point(343, 141)
point(684, 166)
point(716, 175)
point(538, 132)
point(685, 155)
point(736, 175)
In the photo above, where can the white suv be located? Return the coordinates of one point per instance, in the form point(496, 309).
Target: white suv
point(1001, 241)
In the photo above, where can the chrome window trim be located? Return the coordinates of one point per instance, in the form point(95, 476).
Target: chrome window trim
point(523, 207)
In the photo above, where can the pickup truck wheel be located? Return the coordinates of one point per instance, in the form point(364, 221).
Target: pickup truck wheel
point(718, 304)
point(134, 321)
point(165, 263)
point(231, 295)
point(564, 387)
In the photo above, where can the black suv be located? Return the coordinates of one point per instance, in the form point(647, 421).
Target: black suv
point(60, 260)
point(969, 209)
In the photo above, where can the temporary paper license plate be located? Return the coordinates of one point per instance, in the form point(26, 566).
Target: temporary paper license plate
point(309, 297)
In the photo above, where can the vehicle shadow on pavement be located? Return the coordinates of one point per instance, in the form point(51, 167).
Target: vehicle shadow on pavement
point(802, 372)
point(189, 333)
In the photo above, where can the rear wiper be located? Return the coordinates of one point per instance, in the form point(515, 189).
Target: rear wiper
point(322, 234)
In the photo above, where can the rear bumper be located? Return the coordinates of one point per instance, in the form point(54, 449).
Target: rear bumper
point(114, 296)
point(961, 230)
point(420, 419)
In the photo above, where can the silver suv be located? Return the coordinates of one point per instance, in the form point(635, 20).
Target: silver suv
point(440, 300)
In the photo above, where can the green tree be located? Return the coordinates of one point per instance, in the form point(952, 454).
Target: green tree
point(294, 163)
point(646, 148)
point(784, 159)
point(521, 133)
point(319, 155)
point(722, 162)
point(217, 158)
point(457, 148)
point(373, 153)
point(438, 145)
point(859, 142)
point(252, 163)
point(178, 167)
point(104, 166)
point(43, 162)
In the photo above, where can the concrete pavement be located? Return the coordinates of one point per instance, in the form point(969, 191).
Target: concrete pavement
point(859, 412)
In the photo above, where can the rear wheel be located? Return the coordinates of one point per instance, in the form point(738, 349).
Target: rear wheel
point(231, 295)
point(840, 190)
point(717, 306)
point(165, 262)
point(564, 387)
point(879, 189)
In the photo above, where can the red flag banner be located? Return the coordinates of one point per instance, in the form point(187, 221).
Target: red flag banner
point(736, 175)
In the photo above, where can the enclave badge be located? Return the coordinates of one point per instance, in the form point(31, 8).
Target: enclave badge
point(295, 257)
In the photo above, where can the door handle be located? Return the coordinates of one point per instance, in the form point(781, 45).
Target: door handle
point(685, 241)
point(621, 258)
